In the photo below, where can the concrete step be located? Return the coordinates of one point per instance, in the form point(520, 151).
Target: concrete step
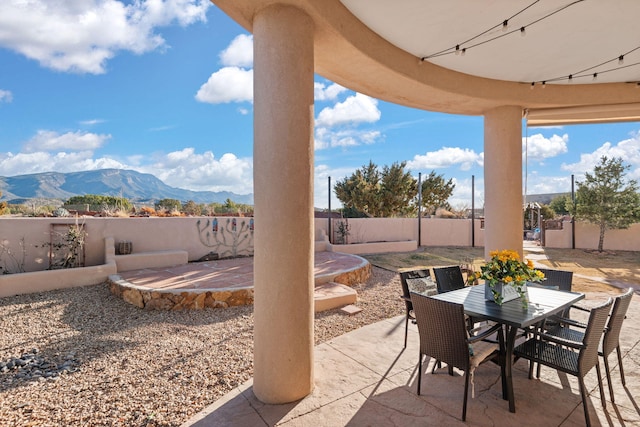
point(333, 295)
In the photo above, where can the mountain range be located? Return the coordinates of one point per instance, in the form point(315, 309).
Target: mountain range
point(132, 185)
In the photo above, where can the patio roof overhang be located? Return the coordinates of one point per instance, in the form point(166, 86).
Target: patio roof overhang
point(350, 50)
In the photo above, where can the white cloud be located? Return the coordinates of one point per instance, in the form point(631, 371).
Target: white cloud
point(41, 161)
point(80, 36)
point(321, 185)
point(5, 96)
point(46, 140)
point(540, 148)
point(322, 92)
point(72, 152)
point(537, 184)
point(446, 157)
point(628, 150)
point(229, 84)
point(92, 122)
point(203, 171)
point(355, 109)
point(239, 53)
point(326, 138)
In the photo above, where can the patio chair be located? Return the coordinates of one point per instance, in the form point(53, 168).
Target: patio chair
point(571, 357)
point(448, 278)
point(611, 338)
point(556, 279)
point(405, 278)
point(444, 337)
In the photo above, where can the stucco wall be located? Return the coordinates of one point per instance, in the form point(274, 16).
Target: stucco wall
point(193, 234)
point(196, 236)
point(587, 236)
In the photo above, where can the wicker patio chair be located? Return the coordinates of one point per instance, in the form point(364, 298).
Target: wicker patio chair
point(611, 338)
point(572, 357)
point(557, 279)
point(444, 337)
point(448, 278)
point(405, 278)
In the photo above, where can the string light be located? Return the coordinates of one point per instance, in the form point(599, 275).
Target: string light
point(596, 71)
point(504, 25)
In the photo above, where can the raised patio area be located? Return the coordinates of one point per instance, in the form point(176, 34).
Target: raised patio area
point(229, 282)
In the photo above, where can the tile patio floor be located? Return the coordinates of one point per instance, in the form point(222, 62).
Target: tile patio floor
point(365, 378)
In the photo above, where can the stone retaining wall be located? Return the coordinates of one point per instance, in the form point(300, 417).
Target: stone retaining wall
point(179, 300)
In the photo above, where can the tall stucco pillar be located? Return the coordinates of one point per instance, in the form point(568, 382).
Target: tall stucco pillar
point(283, 197)
point(503, 179)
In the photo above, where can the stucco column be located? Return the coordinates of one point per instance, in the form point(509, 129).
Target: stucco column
point(503, 179)
point(283, 196)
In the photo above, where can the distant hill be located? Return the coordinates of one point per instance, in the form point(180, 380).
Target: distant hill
point(135, 186)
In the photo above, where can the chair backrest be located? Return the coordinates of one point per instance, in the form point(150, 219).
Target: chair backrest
point(442, 330)
point(611, 338)
point(448, 278)
point(412, 274)
point(560, 278)
point(588, 356)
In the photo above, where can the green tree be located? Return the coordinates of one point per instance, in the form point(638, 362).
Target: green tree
point(436, 192)
point(561, 205)
point(100, 201)
point(397, 189)
point(378, 193)
point(3, 207)
point(169, 204)
point(192, 208)
point(360, 191)
point(603, 198)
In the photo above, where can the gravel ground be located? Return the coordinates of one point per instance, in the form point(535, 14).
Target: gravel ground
point(84, 357)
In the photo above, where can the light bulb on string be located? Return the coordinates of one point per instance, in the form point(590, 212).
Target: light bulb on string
point(533, 84)
point(523, 31)
point(464, 50)
point(544, 84)
point(595, 76)
point(621, 59)
point(505, 25)
point(457, 49)
point(570, 78)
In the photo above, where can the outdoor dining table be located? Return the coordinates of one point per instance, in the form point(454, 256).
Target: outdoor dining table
point(543, 302)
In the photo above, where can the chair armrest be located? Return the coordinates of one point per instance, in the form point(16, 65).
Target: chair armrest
point(568, 343)
point(484, 334)
point(570, 322)
point(577, 307)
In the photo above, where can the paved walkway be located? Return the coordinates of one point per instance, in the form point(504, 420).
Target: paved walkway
point(365, 378)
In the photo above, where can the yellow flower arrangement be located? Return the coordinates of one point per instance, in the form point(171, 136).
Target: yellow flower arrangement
point(505, 266)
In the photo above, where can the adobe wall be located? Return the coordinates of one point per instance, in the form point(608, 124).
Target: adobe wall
point(587, 236)
point(197, 235)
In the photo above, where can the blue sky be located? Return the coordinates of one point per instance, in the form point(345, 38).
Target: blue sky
point(165, 87)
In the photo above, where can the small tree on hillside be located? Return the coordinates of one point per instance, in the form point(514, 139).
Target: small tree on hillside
point(604, 199)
